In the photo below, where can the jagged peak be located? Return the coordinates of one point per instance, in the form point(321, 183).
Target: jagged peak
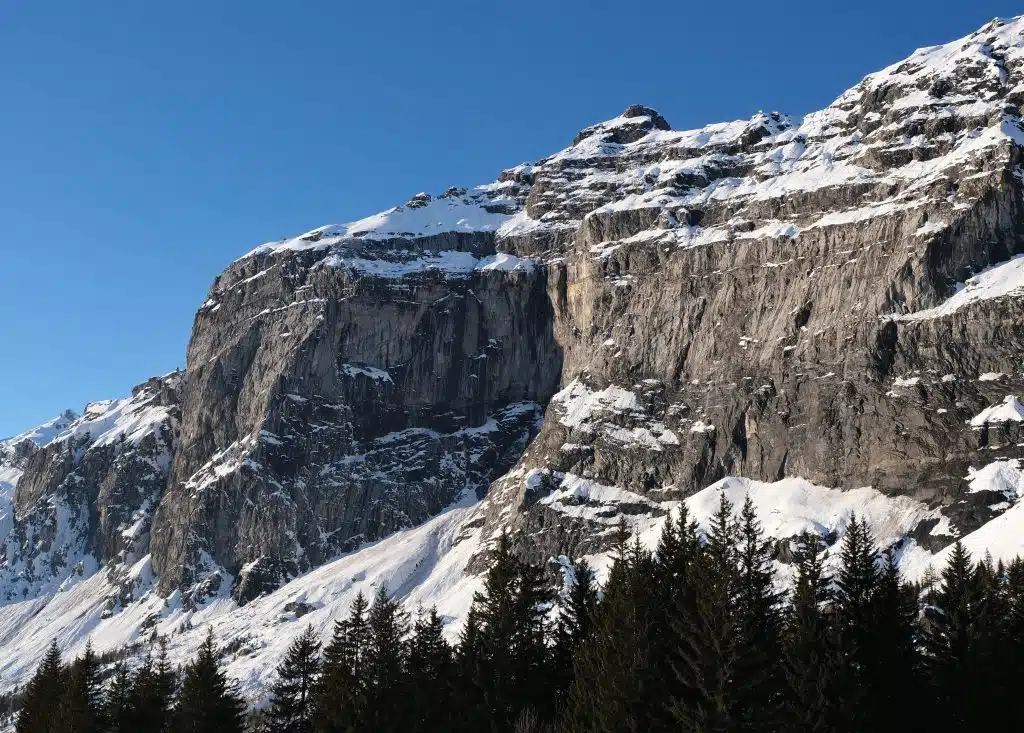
point(632, 125)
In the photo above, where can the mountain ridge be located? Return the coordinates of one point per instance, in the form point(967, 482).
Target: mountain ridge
point(795, 310)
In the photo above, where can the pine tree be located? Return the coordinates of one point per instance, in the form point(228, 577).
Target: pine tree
point(430, 676)
point(152, 692)
point(119, 712)
point(386, 708)
point(43, 693)
point(811, 702)
point(1013, 638)
point(339, 700)
point(577, 606)
point(81, 706)
point(615, 688)
point(709, 633)
point(515, 674)
point(855, 586)
point(952, 636)
point(759, 607)
point(207, 702)
point(470, 702)
point(894, 676)
point(291, 709)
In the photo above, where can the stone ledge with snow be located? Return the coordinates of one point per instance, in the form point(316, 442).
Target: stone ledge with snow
point(635, 321)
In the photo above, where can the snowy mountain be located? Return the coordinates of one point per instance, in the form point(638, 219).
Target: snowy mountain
point(824, 314)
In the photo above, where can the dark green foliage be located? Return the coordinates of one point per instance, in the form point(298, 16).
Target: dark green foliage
point(614, 687)
point(693, 637)
point(895, 690)
point(40, 704)
point(207, 702)
point(118, 709)
point(291, 696)
point(957, 642)
point(152, 693)
point(577, 606)
point(811, 657)
point(81, 703)
point(339, 699)
point(513, 666)
point(386, 703)
point(431, 676)
point(758, 676)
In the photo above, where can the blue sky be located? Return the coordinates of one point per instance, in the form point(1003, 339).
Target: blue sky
point(144, 146)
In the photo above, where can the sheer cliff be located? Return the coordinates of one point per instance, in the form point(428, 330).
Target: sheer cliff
point(826, 314)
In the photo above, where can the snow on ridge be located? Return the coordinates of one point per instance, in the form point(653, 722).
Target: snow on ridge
point(773, 157)
point(109, 421)
point(1003, 280)
point(584, 498)
point(1005, 477)
point(791, 506)
point(1009, 410)
point(451, 262)
point(481, 209)
point(45, 433)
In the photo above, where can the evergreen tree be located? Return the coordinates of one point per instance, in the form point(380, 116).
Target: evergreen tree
point(709, 634)
point(952, 660)
point(577, 606)
point(855, 586)
point(119, 712)
point(207, 702)
point(759, 607)
point(1012, 659)
point(810, 658)
point(515, 674)
point(81, 704)
point(291, 708)
point(339, 700)
point(152, 693)
point(615, 688)
point(43, 693)
point(470, 703)
point(430, 676)
point(674, 588)
point(894, 681)
point(386, 704)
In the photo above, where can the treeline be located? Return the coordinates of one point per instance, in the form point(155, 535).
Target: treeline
point(696, 637)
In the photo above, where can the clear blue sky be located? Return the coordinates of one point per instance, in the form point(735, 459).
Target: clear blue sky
point(144, 146)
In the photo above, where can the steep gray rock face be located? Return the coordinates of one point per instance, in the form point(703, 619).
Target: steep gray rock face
point(751, 298)
point(343, 390)
point(740, 300)
point(589, 338)
point(82, 489)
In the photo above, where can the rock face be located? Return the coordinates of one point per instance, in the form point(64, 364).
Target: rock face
point(588, 338)
point(734, 300)
point(343, 390)
point(79, 491)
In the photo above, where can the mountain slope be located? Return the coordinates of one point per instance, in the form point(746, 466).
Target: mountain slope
point(826, 314)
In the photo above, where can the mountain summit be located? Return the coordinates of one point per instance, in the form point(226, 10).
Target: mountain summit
point(826, 315)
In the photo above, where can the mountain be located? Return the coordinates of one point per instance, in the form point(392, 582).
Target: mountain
point(826, 314)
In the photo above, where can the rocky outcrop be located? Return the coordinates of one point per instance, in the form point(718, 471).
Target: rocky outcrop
point(341, 391)
point(84, 488)
point(590, 338)
point(740, 300)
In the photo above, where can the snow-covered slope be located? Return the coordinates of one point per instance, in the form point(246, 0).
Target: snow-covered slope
point(645, 317)
point(425, 566)
point(78, 491)
point(430, 565)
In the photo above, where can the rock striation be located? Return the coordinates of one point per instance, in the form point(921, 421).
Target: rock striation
point(800, 309)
